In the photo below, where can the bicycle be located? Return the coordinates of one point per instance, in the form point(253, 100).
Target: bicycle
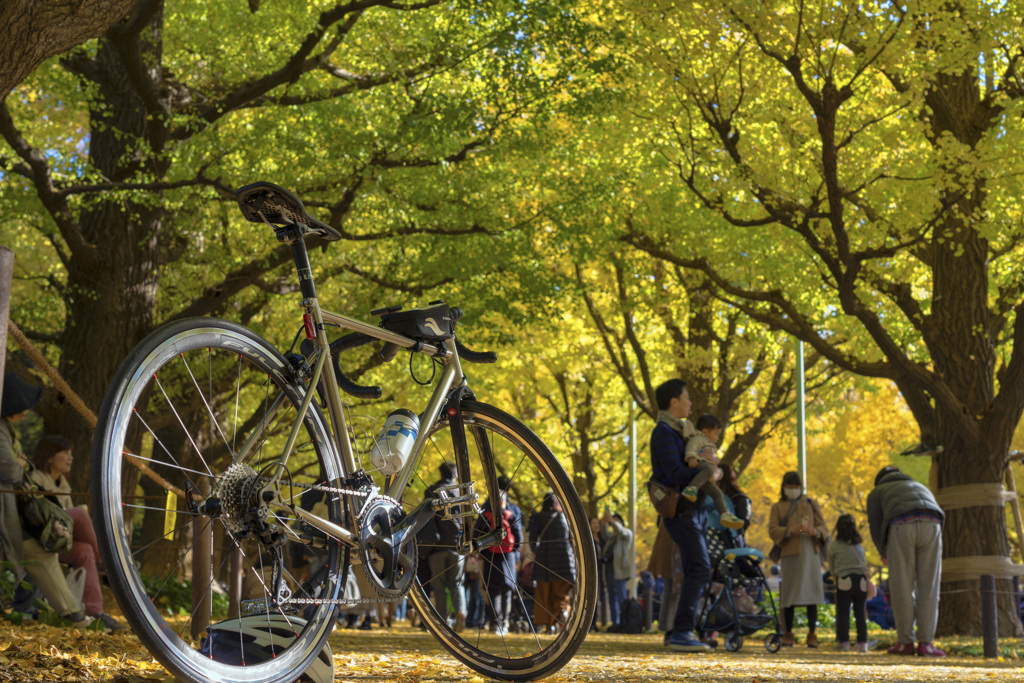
point(256, 470)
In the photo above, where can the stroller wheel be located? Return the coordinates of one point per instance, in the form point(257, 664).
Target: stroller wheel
point(733, 642)
point(773, 643)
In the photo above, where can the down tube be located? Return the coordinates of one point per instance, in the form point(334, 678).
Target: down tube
point(433, 409)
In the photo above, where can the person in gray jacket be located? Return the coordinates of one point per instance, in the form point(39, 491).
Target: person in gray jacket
point(906, 527)
point(619, 546)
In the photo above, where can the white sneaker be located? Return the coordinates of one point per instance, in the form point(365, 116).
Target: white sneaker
point(78, 619)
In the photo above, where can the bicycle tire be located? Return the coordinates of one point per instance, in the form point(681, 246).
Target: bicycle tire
point(533, 469)
point(180, 394)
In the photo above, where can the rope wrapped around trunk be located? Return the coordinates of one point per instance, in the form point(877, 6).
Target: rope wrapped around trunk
point(972, 566)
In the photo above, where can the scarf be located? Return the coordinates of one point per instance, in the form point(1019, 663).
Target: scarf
point(684, 427)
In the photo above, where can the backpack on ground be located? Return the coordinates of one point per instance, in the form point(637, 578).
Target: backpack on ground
point(632, 617)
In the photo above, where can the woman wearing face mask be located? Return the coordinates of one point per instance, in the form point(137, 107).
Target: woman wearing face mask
point(797, 525)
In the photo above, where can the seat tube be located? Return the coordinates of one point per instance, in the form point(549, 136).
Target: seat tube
point(330, 382)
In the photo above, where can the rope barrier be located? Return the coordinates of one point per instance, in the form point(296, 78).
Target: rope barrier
point(976, 590)
point(51, 372)
point(991, 494)
point(973, 566)
point(73, 494)
point(79, 405)
point(973, 495)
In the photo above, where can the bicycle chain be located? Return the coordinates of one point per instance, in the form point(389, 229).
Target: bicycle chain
point(341, 601)
point(262, 608)
point(331, 489)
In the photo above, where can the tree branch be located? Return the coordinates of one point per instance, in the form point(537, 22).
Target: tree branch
point(301, 61)
point(55, 205)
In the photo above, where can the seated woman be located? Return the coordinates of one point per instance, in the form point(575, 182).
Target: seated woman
point(52, 460)
point(24, 552)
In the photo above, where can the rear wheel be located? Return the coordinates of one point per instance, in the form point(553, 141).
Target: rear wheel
point(206, 407)
point(525, 639)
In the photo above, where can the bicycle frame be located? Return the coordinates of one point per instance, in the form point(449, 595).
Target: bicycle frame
point(451, 379)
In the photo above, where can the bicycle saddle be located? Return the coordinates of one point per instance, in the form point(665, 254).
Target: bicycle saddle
point(265, 202)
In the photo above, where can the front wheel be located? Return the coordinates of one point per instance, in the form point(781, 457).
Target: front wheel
point(209, 562)
point(536, 601)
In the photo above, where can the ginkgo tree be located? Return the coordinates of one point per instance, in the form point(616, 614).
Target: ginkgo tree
point(858, 172)
point(119, 161)
point(657, 321)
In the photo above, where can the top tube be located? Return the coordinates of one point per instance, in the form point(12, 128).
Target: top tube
point(380, 333)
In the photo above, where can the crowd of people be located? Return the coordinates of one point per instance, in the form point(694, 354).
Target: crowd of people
point(712, 515)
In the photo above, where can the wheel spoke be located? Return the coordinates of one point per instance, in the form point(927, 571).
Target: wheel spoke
point(199, 392)
point(170, 407)
point(531, 471)
point(184, 429)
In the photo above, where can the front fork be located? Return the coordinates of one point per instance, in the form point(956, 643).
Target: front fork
point(457, 510)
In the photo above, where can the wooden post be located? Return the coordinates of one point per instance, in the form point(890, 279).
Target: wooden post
point(989, 616)
point(648, 605)
point(1011, 485)
point(6, 277)
point(202, 567)
point(235, 582)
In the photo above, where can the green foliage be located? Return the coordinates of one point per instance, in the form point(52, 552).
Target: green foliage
point(174, 596)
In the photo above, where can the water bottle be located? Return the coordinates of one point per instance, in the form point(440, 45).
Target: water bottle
point(394, 442)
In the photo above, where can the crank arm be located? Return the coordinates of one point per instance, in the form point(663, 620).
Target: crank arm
point(412, 522)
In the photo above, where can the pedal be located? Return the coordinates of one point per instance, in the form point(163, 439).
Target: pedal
point(456, 501)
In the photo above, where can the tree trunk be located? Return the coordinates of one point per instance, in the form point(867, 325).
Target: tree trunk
point(112, 296)
point(35, 30)
point(971, 532)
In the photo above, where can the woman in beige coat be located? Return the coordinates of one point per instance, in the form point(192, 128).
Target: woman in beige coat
point(797, 525)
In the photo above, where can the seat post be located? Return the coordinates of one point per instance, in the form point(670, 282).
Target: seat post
point(301, 256)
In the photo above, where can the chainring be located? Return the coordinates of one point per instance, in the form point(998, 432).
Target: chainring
point(388, 569)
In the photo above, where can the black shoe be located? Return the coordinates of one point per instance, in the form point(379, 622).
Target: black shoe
point(367, 625)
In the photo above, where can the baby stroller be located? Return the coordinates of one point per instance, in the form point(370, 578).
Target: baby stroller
point(733, 611)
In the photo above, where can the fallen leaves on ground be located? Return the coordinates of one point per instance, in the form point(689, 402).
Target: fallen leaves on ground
point(407, 655)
